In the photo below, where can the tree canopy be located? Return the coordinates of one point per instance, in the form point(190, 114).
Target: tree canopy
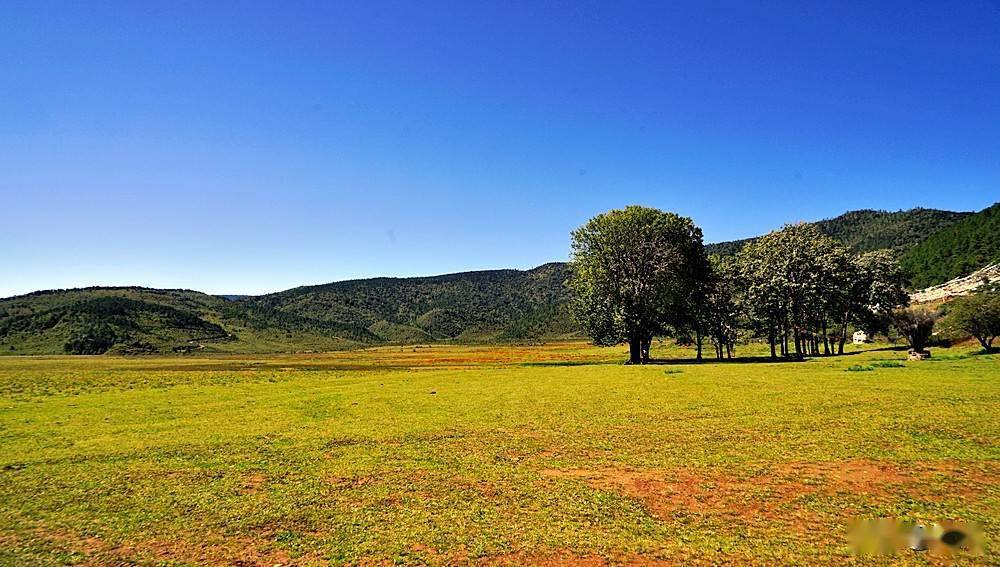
point(635, 273)
point(916, 324)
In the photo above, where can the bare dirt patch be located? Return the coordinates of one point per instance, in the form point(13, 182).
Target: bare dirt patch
point(344, 482)
point(880, 478)
point(688, 491)
point(203, 549)
point(244, 552)
point(567, 558)
point(252, 483)
point(775, 494)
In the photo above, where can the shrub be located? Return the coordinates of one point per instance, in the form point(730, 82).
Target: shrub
point(916, 324)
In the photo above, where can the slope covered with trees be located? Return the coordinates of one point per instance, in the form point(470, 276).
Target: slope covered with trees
point(957, 250)
point(866, 230)
point(140, 320)
point(483, 305)
point(497, 305)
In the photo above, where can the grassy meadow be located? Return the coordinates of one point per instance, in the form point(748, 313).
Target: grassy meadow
point(504, 455)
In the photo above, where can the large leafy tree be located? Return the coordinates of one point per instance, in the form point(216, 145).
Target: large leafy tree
point(793, 278)
point(635, 273)
point(720, 307)
point(763, 293)
point(875, 288)
point(978, 315)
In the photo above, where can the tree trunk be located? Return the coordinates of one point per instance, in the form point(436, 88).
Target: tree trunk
point(770, 340)
point(698, 339)
point(843, 337)
point(635, 351)
point(826, 340)
point(798, 342)
point(646, 343)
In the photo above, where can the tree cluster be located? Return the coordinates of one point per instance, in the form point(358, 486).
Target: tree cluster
point(637, 273)
point(802, 287)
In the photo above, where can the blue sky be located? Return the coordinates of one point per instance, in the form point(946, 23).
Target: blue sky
point(240, 147)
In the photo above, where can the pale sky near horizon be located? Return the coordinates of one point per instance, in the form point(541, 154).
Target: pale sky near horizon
point(249, 147)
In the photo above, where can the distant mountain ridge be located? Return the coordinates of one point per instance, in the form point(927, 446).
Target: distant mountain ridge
point(480, 306)
point(866, 229)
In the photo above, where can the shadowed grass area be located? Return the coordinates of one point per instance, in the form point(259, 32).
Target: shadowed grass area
point(887, 364)
point(459, 454)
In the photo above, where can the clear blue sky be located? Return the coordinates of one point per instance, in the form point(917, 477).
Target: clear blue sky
point(245, 147)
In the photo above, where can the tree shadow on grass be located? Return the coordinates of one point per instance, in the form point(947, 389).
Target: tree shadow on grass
point(765, 359)
point(567, 363)
point(897, 348)
point(734, 360)
point(667, 361)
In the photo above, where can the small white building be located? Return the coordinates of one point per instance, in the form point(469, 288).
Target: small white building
point(860, 337)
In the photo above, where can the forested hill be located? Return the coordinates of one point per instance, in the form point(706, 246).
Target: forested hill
point(141, 320)
point(957, 250)
point(866, 230)
point(497, 305)
point(485, 305)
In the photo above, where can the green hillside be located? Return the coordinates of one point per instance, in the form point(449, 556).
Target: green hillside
point(139, 320)
point(867, 230)
point(484, 306)
point(470, 306)
point(957, 250)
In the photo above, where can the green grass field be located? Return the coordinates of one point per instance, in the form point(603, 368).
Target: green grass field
point(506, 455)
